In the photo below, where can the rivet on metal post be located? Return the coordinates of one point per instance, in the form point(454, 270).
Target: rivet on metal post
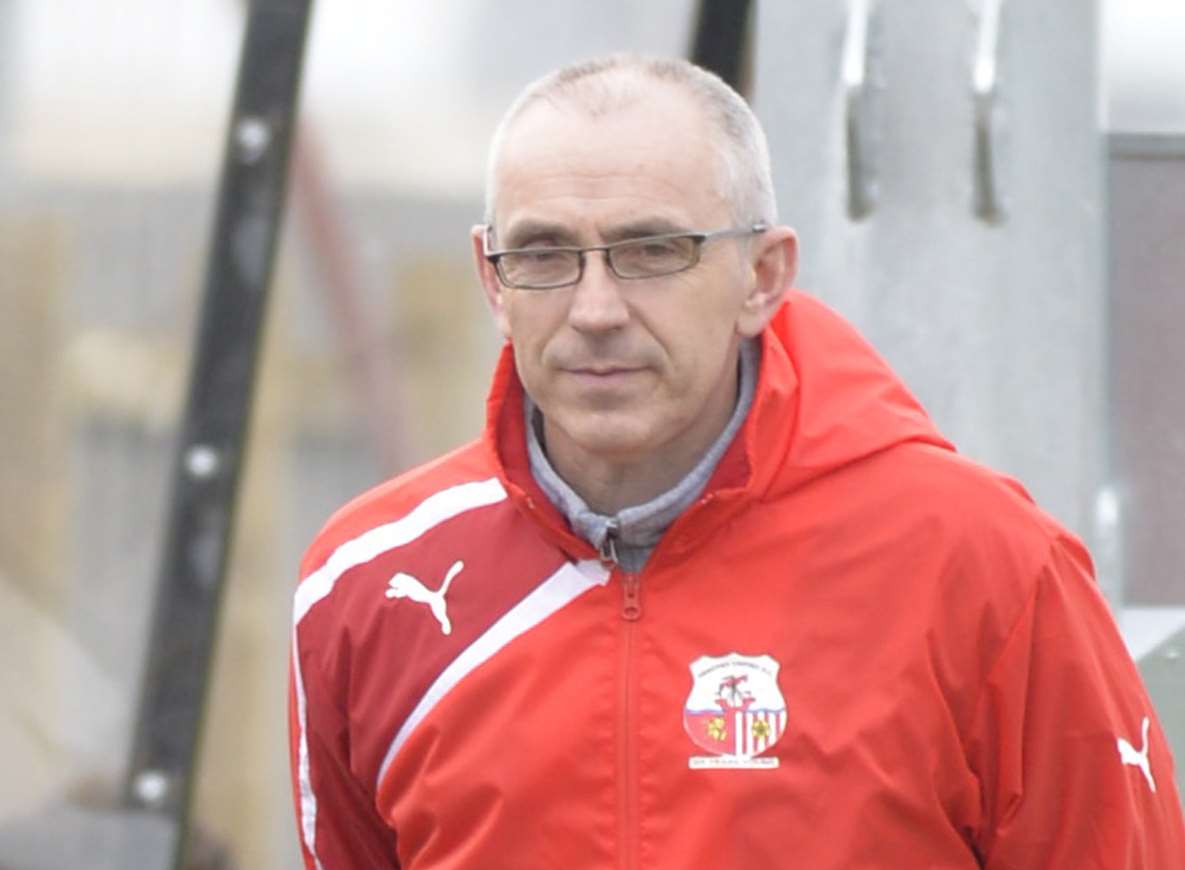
point(1108, 512)
point(151, 787)
point(1172, 654)
point(854, 76)
point(984, 87)
point(253, 135)
point(202, 461)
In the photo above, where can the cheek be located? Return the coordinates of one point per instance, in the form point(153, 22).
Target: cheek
point(695, 360)
point(698, 345)
point(529, 333)
point(528, 322)
point(703, 325)
point(714, 298)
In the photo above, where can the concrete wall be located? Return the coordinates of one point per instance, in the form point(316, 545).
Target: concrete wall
point(998, 326)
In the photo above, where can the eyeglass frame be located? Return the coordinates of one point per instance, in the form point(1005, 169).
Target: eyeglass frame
point(699, 237)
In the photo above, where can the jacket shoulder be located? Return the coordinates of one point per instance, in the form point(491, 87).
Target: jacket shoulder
point(962, 532)
point(992, 546)
point(465, 472)
point(974, 499)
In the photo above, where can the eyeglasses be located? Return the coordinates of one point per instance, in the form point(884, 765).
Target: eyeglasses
point(546, 267)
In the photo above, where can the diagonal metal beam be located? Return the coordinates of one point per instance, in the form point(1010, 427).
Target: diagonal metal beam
point(214, 427)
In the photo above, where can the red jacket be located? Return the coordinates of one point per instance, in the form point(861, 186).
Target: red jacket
point(856, 650)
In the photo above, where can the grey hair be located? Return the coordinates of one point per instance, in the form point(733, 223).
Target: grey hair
point(601, 85)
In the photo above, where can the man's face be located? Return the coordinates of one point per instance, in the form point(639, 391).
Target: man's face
point(623, 370)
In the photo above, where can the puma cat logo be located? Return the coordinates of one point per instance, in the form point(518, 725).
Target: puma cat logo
point(1128, 755)
point(406, 586)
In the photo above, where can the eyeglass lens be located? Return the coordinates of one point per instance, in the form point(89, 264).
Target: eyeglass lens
point(642, 258)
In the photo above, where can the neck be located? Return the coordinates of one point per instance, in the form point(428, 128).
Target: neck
point(609, 483)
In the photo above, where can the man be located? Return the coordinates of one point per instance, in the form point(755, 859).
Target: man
point(711, 590)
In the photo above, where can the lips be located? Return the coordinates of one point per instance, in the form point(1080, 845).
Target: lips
point(602, 376)
point(604, 371)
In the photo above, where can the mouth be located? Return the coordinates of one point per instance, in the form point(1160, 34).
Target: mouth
point(603, 375)
point(603, 371)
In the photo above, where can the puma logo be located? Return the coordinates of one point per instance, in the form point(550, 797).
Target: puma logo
point(406, 586)
point(1128, 755)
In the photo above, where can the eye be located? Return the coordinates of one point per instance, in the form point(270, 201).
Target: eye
point(652, 256)
point(657, 249)
point(540, 256)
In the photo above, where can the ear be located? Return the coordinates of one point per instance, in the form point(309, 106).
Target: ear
point(489, 281)
point(775, 264)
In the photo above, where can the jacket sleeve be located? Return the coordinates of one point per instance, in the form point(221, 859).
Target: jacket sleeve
point(1060, 789)
point(339, 827)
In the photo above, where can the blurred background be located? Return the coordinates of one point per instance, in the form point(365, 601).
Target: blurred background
point(1021, 265)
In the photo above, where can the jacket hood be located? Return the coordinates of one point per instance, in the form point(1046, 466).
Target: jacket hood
point(825, 398)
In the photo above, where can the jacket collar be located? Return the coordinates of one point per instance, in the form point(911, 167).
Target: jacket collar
point(824, 399)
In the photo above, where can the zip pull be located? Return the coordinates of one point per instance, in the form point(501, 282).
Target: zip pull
point(631, 606)
point(608, 548)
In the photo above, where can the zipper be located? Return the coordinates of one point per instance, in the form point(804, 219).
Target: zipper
point(627, 744)
point(627, 725)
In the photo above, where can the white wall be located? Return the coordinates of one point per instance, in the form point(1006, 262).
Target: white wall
point(1143, 55)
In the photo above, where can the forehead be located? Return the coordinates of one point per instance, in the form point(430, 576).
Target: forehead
point(650, 158)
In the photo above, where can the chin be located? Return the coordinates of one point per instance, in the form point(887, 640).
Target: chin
point(610, 435)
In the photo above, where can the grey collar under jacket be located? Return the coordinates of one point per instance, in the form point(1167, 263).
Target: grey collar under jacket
point(638, 528)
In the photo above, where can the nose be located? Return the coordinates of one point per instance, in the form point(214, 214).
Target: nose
point(597, 303)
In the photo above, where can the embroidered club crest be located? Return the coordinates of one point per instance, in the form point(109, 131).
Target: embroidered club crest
point(735, 711)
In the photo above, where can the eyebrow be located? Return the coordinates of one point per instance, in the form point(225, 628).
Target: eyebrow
point(642, 228)
point(533, 230)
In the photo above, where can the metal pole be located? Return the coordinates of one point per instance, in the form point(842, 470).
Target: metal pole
point(721, 42)
point(214, 427)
